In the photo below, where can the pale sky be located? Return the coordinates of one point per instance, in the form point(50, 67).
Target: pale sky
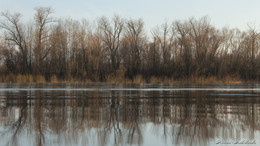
point(232, 13)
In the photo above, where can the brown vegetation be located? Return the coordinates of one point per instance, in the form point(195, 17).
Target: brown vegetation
point(119, 50)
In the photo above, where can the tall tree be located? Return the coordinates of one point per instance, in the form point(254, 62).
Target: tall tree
point(16, 34)
point(42, 48)
point(59, 52)
point(250, 46)
point(134, 44)
point(164, 40)
point(185, 50)
point(111, 37)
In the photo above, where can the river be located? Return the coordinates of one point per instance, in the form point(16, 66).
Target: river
point(105, 114)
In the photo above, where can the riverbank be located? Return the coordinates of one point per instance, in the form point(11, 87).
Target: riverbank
point(120, 79)
point(167, 80)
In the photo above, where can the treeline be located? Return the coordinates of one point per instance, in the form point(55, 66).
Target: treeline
point(121, 48)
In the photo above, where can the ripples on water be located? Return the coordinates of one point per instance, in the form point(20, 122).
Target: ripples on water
point(128, 114)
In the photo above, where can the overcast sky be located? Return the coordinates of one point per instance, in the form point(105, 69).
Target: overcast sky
point(232, 13)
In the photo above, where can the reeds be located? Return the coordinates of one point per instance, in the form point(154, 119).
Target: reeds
point(119, 78)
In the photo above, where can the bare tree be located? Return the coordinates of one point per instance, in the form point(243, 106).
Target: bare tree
point(42, 48)
point(97, 56)
point(78, 50)
point(111, 34)
point(15, 34)
point(185, 53)
point(134, 43)
point(59, 51)
point(250, 45)
point(164, 40)
point(152, 59)
point(206, 42)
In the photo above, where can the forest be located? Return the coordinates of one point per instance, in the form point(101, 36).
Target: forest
point(48, 49)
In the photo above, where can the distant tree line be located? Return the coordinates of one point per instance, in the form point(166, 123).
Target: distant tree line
point(68, 48)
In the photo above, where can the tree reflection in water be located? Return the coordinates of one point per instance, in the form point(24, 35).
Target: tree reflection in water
point(122, 117)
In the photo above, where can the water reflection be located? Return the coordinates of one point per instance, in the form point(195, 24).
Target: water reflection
point(127, 117)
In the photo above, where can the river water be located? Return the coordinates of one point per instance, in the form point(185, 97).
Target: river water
point(129, 114)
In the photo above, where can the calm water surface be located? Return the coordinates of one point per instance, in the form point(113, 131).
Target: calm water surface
point(129, 114)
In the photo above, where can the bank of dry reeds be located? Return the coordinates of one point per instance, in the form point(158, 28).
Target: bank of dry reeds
point(119, 79)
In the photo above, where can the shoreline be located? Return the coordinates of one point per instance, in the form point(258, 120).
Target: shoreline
point(119, 79)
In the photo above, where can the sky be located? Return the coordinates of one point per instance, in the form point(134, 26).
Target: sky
point(222, 13)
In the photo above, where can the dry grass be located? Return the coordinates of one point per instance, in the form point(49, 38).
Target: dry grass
point(154, 79)
point(196, 80)
point(54, 79)
point(71, 80)
point(230, 79)
point(17, 78)
point(39, 79)
point(24, 78)
point(165, 80)
point(119, 78)
point(9, 78)
point(138, 79)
